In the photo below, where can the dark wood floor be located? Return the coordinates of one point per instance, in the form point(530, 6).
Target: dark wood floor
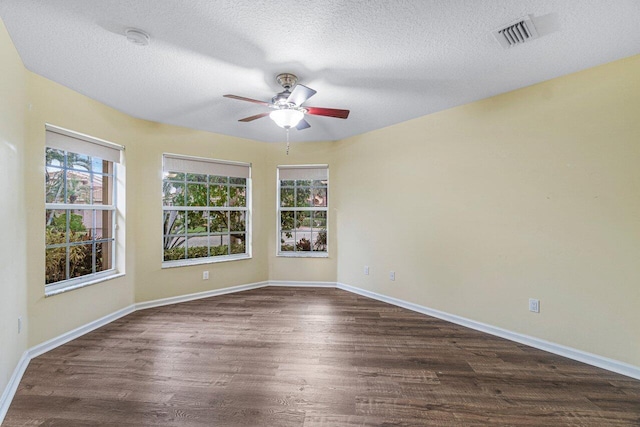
point(309, 357)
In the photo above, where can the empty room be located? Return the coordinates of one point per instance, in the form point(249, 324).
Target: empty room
point(320, 213)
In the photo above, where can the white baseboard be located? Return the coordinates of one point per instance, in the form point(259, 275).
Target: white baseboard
point(12, 386)
point(568, 352)
point(199, 295)
point(39, 349)
point(291, 283)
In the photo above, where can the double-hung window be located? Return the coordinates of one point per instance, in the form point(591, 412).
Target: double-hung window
point(206, 210)
point(80, 209)
point(302, 210)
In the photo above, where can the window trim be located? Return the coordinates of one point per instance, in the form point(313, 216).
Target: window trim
point(248, 210)
point(300, 254)
point(80, 138)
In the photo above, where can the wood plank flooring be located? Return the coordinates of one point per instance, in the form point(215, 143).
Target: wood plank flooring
point(309, 357)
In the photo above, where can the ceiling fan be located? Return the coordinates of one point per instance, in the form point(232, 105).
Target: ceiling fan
point(288, 111)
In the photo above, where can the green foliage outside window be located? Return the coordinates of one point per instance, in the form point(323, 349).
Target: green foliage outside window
point(223, 217)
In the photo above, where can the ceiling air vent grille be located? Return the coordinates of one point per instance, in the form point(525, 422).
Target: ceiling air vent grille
point(516, 33)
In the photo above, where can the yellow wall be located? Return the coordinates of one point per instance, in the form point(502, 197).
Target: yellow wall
point(13, 303)
point(57, 105)
point(530, 194)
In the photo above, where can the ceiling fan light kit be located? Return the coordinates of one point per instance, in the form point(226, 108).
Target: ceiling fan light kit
point(287, 117)
point(287, 104)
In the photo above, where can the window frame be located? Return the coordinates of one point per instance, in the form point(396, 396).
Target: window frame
point(248, 210)
point(91, 145)
point(280, 209)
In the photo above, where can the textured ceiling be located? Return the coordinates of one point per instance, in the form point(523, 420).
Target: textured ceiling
point(386, 61)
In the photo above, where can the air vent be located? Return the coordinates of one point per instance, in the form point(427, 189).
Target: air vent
point(518, 32)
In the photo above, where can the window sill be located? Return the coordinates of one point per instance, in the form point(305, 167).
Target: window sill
point(200, 261)
point(71, 287)
point(303, 254)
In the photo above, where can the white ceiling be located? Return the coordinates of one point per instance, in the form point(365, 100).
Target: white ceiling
point(386, 61)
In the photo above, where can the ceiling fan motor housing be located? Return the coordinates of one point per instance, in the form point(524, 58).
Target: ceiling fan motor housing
point(287, 80)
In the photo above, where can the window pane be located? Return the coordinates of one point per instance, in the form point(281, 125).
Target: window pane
point(54, 184)
point(303, 182)
point(198, 247)
point(173, 193)
point(197, 222)
point(80, 224)
point(196, 195)
point(219, 245)
point(174, 222)
point(303, 244)
point(320, 183)
point(78, 187)
point(80, 260)
point(238, 244)
point(237, 221)
point(237, 196)
point(218, 195)
point(77, 161)
point(286, 220)
point(55, 264)
point(218, 179)
point(54, 157)
point(238, 181)
point(303, 196)
point(287, 199)
point(319, 197)
point(319, 219)
point(287, 241)
point(319, 240)
point(103, 225)
point(98, 165)
point(219, 222)
point(104, 259)
point(303, 219)
point(174, 248)
point(102, 189)
point(55, 226)
point(287, 183)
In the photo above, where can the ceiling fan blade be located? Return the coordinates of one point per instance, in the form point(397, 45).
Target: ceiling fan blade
point(303, 124)
point(242, 98)
point(329, 112)
point(252, 118)
point(300, 94)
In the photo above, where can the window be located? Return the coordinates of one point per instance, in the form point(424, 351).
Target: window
point(302, 210)
point(80, 209)
point(206, 210)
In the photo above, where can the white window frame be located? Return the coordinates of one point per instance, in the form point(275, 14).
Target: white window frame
point(79, 143)
point(279, 209)
point(200, 165)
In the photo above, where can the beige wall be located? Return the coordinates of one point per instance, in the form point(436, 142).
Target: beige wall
point(530, 194)
point(13, 302)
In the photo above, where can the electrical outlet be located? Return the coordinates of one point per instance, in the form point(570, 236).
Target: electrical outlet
point(534, 305)
point(205, 275)
point(366, 270)
point(19, 324)
point(392, 275)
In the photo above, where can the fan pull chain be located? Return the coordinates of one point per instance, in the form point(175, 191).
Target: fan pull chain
point(287, 141)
